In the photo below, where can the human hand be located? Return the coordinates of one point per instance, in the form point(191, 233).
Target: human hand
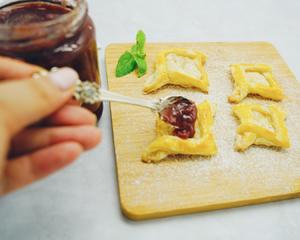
point(40, 131)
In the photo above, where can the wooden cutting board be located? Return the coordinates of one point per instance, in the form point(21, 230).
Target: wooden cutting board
point(192, 184)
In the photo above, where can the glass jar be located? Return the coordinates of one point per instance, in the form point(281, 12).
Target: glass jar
point(51, 33)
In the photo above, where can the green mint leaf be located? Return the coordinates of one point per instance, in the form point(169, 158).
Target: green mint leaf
point(135, 51)
point(140, 43)
point(142, 66)
point(126, 64)
point(140, 38)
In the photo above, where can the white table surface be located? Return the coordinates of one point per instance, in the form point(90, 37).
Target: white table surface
point(81, 201)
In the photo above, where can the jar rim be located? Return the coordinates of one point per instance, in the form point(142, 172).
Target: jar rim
point(77, 7)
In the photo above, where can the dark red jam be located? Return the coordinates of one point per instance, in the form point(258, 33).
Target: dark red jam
point(182, 114)
point(26, 13)
point(74, 47)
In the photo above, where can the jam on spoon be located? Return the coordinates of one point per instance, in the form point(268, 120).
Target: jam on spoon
point(182, 114)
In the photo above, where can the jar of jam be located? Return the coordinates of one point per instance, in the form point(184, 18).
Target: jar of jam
point(51, 33)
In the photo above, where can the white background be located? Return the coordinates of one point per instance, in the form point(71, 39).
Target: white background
point(81, 202)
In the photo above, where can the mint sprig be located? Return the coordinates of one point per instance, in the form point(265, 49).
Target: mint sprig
point(133, 59)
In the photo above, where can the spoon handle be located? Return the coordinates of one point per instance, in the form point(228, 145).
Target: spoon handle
point(106, 95)
point(90, 93)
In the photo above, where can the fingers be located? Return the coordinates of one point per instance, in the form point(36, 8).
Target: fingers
point(26, 169)
point(33, 139)
point(25, 102)
point(74, 102)
point(71, 115)
point(15, 69)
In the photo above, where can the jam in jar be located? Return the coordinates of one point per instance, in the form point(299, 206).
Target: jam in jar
point(50, 34)
point(182, 114)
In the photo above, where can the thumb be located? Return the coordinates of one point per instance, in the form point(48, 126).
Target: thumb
point(23, 102)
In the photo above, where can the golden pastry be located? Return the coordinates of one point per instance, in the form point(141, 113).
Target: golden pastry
point(254, 79)
point(260, 125)
point(181, 67)
point(201, 142)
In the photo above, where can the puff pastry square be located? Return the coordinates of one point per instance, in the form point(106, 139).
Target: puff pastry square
point(260, 125)
point(254, 79)
point(165, 144)
point(181, 67)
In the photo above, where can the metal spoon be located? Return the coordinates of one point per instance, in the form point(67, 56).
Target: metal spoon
point(90, 93)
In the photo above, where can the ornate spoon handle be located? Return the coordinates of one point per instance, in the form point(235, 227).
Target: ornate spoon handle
point(90, 92)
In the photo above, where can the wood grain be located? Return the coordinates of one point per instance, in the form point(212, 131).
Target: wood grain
point(193, 184)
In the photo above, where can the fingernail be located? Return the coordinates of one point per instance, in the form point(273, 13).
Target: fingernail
point(64, 78)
